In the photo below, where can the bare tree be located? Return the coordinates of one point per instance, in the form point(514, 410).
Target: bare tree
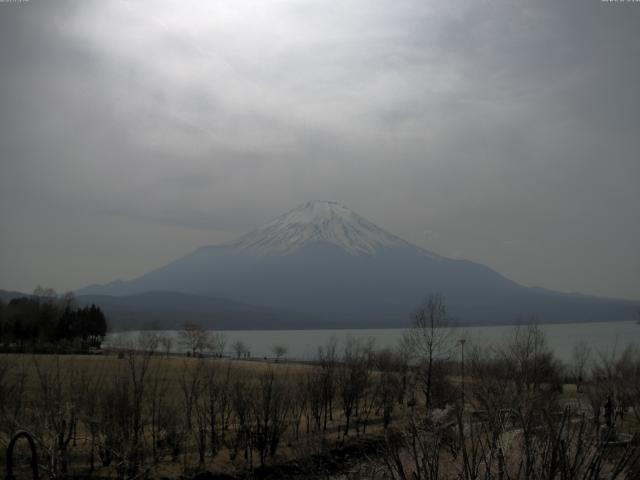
point(218, 343)
point(430, 338)
point(534, 385)
point(89, 388)
point(298, 395)
point(416, 451)
point(328, 359)
point(628, 384)
point(12, 387)
point(519, 432)
point(138, 371)
point(148, 341)
point(120, 420)
point(202, 421)
point(166, 342)
point(239, 348)
point(156, 403)
point(353, 377)
point(616, 381)
point(55, 413)
point(271, 408)
point(195, 338)
point(242, 398)
point(217, 382)
point(279, 351)
point(581, 355)
point(192, 385)
point(387, 383)
point(314, 387)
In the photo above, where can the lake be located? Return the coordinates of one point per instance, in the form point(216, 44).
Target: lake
point(303, 344)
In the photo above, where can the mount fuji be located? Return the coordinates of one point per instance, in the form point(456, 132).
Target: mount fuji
point(321, 265)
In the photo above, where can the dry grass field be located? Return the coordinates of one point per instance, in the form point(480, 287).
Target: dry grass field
point(359, 413)
point(97, 415)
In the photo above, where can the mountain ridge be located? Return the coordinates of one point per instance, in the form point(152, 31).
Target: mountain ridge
point(336, 268)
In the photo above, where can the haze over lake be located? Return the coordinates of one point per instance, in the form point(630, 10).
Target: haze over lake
point(303, 344)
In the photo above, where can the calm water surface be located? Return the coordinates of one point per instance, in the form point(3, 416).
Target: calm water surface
point(303, 344)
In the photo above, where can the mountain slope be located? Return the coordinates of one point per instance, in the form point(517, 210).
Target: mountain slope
point(167, 310)
point(338, 268)
point(170, 310)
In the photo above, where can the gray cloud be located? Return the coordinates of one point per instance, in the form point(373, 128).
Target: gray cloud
point(133, 132)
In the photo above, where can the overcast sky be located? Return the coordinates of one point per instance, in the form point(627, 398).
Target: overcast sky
point(504, 132)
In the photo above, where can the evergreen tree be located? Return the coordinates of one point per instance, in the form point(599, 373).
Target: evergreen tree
point(50, 319)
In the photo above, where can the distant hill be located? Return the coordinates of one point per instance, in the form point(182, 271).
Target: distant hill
point(322, 265)
point(8, 295)
point(171, 310)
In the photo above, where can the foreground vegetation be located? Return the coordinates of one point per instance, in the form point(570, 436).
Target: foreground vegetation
point(422, 411)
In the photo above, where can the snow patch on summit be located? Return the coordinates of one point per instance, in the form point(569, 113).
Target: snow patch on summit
point(327, 222)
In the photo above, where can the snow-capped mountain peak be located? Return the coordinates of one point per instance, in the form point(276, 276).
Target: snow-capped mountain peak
point(320, 221)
